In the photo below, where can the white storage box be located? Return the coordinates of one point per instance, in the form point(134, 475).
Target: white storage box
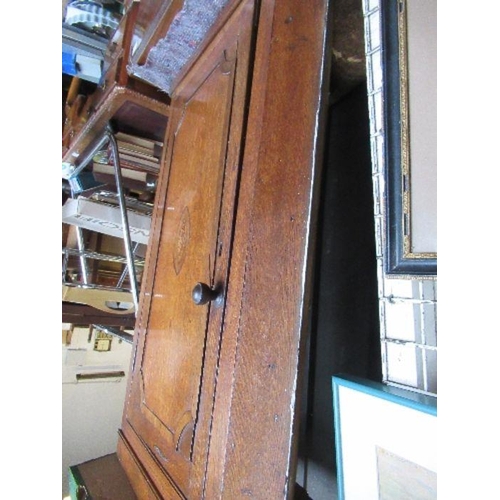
point(105, 219)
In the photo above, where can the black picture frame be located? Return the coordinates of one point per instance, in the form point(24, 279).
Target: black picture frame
point(400, 259)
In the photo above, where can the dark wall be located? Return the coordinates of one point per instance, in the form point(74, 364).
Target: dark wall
point(345, 321)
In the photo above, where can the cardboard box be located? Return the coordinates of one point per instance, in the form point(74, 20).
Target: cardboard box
point(105, 219)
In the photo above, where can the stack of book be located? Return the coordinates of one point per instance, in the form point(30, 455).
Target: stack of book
point(139, 162)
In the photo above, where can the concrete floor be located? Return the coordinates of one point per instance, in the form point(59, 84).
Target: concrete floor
point(321, 482)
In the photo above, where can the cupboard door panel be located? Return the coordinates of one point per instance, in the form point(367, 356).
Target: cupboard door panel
point(177, 327)
point(174, 371)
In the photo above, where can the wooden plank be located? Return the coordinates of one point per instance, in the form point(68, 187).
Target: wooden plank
point(252, 450)
point(137, 475)
point(80, 314)
point(130, 446)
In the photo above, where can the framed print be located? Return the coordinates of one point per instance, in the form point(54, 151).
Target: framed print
point(386, 441)
point(409, 62)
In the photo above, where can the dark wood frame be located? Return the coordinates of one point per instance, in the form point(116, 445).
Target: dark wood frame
point(399, 260)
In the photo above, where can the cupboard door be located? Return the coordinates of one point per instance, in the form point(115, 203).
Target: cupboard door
point(173, 377)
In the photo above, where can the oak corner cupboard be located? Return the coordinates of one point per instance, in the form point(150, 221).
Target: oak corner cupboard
point(210, 405)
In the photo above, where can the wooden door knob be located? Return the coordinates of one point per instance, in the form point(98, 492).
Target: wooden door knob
point(202, 294)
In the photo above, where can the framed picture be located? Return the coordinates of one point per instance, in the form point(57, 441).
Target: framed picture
point(409, 62)
point(386, 441)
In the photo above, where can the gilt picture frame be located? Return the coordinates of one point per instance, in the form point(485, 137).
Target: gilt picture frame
point(386, 441)
point(409, 64)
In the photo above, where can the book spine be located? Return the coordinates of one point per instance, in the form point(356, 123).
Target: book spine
point(132, 184)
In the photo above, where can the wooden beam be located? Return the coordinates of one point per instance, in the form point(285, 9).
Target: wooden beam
point(80, 314)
